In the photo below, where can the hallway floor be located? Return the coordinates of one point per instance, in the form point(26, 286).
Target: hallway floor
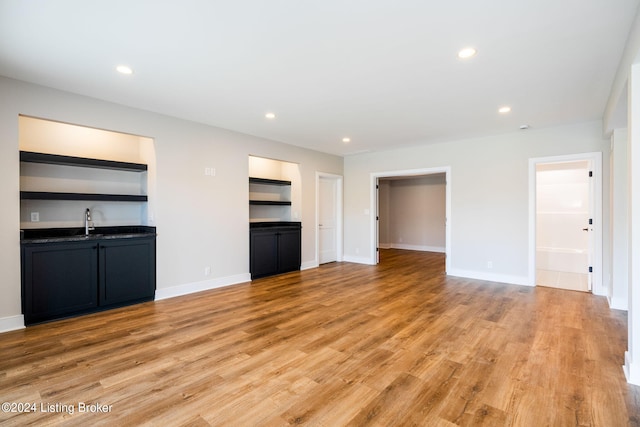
point(563, 280)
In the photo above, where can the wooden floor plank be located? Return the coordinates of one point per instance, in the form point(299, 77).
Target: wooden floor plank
point(399, 343)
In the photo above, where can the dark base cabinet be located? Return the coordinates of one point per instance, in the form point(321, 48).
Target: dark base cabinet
point(59, 280)
point(127, 271)
point(275, 248)
point(64, 279)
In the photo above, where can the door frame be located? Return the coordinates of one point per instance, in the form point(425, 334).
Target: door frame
point(375, 176)
point(596, 207)
point(339, 215)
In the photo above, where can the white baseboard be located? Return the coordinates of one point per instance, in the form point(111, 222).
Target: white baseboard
point(491, 277)
point(418, 248)
point(618, 304)
point(404, 246)
point(11, 323)
point(631, 370)
point(358, 260)
point(308, 265)
point(190, 288)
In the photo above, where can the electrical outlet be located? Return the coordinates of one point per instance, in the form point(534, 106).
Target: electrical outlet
point(35, 216)
point(489, 264)
point(207, 271)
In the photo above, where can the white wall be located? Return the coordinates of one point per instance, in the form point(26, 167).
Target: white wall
point(202, 220)
point(489, 192)
point(412, 213)
point(632, 356)
point(618, 283)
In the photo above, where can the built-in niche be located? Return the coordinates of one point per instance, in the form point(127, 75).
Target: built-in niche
point(56, 192)
point(274, 190)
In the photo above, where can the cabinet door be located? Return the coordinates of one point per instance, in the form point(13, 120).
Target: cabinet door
point(127, 271)
point(59, 279)
point(263, 253)
point(289, 250)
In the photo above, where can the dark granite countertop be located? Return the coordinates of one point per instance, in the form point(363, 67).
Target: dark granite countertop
point(77, 234)
point(268, 224)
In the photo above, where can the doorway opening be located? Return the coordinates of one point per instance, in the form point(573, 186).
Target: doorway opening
point(566, 225)
point(410, 221)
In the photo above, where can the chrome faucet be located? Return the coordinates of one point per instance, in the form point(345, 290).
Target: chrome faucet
point(87, 221)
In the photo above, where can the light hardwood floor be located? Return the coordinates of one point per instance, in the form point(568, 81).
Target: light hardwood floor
point(395, 344)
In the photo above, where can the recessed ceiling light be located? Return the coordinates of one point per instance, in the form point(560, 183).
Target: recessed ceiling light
point(524, 127)
point(270, 115)
point(345, 140)
point(504, 110)
point(467, 52)
point(124, 69)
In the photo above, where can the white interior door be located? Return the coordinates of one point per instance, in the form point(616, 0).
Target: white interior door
point(327, 220)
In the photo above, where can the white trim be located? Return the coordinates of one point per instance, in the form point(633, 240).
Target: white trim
point(631, 370)
point(358, 260)
point(190, 288)
point(491, 277)
point(618, 303)
point(11, 323)
point(309, 265)
point(373, 232)
point(406, 247)
point(596, 159)
point(339, 215)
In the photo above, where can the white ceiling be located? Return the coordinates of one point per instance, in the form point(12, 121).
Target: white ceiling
point(382, 72)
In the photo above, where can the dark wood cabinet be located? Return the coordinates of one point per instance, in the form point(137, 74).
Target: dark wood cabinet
point(59, 280)
point(63, 279)
point(127, 271)
point(274, 248)
point(264, 253)
point(289, 241)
